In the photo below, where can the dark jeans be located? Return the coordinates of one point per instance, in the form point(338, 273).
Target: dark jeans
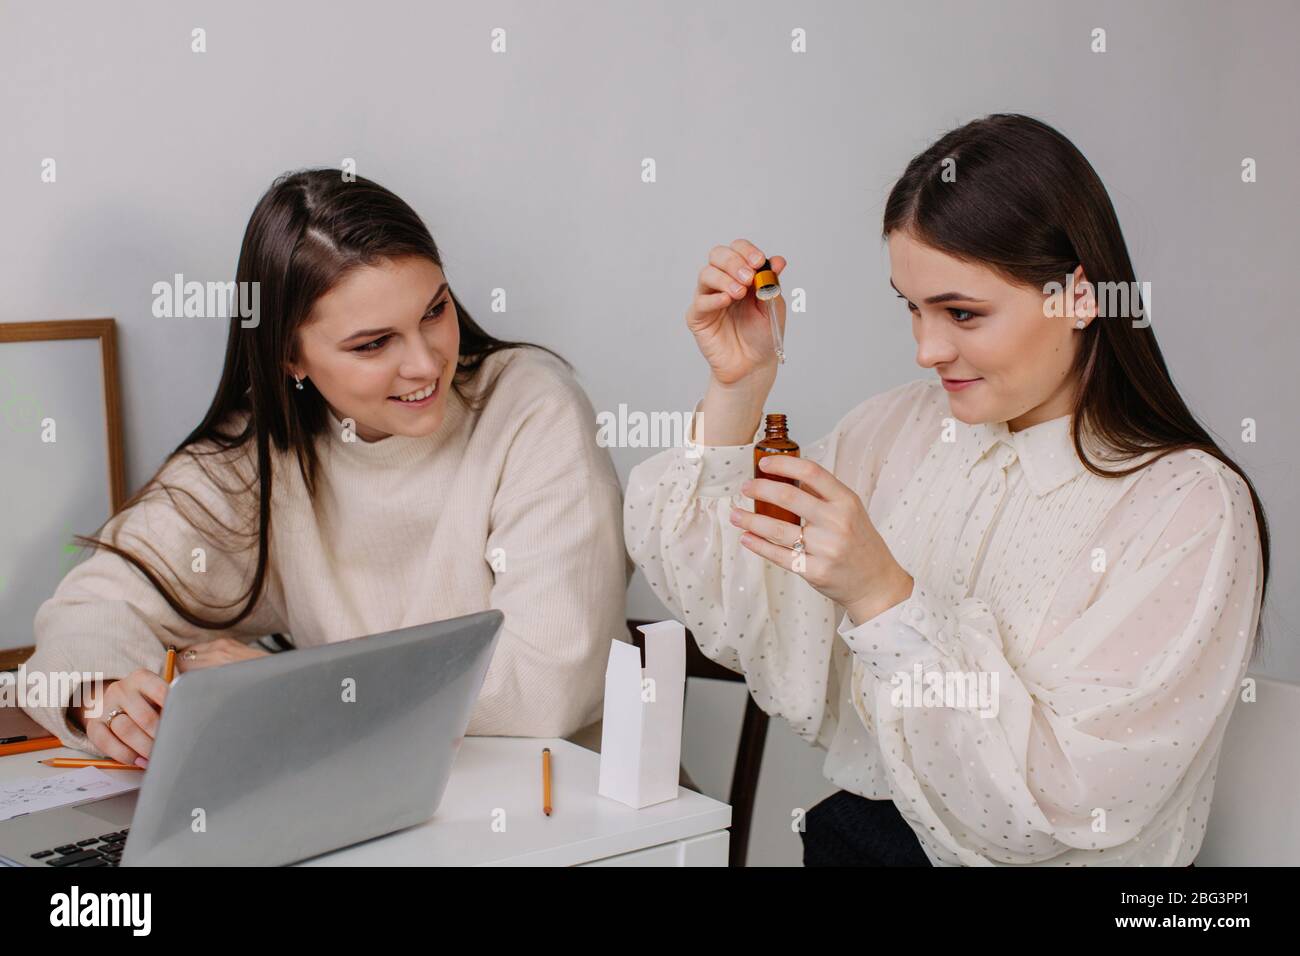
point(848, 830)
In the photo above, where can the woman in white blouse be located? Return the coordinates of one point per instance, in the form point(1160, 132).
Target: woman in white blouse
point(1018, 611)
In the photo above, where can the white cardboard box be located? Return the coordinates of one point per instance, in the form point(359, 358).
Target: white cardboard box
point(641, 740)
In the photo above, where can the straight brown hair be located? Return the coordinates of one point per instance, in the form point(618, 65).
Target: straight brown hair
point(1027, 204)
point(310, 229)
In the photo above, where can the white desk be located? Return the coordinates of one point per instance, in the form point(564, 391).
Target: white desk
point(505, 773)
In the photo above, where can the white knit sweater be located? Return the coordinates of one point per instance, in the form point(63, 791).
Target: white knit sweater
point(515, 507)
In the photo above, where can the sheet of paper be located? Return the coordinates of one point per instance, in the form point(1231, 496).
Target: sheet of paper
point(31, 794)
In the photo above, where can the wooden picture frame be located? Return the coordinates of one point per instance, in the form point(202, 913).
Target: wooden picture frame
point(105, 332)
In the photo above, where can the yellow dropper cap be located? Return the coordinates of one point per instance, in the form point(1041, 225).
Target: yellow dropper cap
point(765, 284)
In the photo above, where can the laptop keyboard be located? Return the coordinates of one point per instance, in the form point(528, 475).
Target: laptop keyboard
point(104, 850)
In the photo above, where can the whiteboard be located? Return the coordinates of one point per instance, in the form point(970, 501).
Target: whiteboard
point(49, 490)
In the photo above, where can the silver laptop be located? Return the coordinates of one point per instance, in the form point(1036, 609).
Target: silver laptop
point(280, 758)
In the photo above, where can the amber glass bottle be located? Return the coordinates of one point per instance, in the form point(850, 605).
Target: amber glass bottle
point(775, 442)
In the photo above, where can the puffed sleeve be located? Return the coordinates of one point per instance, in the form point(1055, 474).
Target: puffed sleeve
point(107, 619)
point(560, 573)
point(745, 613)
point(1083, 745)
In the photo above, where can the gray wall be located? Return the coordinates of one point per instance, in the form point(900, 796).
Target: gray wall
point(526, 165)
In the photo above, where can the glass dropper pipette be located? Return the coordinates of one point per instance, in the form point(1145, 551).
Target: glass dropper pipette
point(767, 289)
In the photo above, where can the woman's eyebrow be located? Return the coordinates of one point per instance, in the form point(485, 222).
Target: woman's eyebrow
point(943, 296)
point(364, 332)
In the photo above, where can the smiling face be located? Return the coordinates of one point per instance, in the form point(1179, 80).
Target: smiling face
point(384, 331)
point(970, 322)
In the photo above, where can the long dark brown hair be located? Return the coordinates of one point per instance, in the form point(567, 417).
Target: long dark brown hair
point(308, 231)
point(1026, 203)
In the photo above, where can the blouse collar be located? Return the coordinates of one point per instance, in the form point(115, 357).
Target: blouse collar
point(1045, 450)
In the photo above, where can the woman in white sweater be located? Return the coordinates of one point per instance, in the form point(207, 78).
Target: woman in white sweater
point(1012, 654)
point(372, 459)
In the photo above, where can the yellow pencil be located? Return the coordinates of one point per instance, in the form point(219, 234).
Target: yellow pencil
point(546, 780)
point(88, 762)
point(169, 669)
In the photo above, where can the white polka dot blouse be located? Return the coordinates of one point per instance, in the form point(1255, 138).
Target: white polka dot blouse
point(1056, 688)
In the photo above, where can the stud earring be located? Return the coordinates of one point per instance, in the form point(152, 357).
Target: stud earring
point(1077, 325)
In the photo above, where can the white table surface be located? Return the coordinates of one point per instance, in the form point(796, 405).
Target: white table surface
point(504, 773)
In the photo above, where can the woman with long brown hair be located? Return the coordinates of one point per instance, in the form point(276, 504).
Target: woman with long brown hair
point(1018, 600)
point(372, 459)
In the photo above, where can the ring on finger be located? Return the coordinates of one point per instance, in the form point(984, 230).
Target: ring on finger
point(115, 712)
point(798, 547)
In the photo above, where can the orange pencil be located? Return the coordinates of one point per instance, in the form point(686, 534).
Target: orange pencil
point(169, 669)
point(88, 762)
point(546, 780)
point(26, 746)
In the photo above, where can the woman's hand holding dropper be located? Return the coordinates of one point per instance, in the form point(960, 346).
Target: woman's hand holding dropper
point(844, 556)
point(733, 332)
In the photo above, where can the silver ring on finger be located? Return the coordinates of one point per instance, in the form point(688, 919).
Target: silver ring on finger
point(798, 547)
point(190, 655)
point(115, 712)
